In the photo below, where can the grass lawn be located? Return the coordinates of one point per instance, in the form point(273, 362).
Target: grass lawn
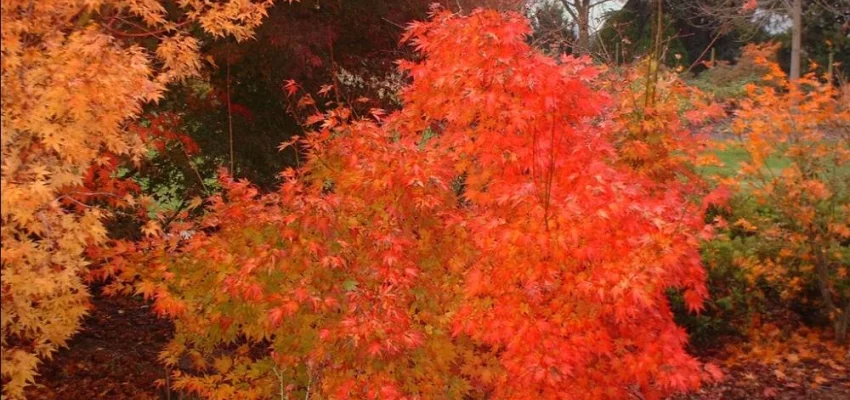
point(732, 156)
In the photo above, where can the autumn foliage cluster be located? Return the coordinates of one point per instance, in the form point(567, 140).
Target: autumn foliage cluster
point(514, 231)
point(482, 241)
point(70, 87)
point(802, 225)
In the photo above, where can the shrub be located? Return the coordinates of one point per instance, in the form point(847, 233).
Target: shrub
point(807, 123)
point(727, 82)
point(736, 297)
point(370, 275)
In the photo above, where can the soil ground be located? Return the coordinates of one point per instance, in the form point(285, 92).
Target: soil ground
point(808, 379)
point(113, 357)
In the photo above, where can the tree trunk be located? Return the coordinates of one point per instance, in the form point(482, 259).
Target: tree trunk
point(796, 38)
point(583, 34)
point(841, 324)
point(579, 11)
point(842, 320)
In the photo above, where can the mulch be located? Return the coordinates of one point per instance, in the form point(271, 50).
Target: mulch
point(114, 356)
point(753, 380)
point(788, 362)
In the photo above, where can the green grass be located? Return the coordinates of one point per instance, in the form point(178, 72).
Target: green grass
point(733, 156)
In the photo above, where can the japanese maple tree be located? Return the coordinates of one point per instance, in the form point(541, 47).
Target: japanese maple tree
point(805, 123)
point(74, 75)
point(573, 254)
point(483, 241)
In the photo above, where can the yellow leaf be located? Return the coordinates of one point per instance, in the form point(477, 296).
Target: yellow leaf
point(195, 202)
point(151, 229)
point(223, 364)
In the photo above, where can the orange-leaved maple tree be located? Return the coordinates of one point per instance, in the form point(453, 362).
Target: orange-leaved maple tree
point(796, 133)
point(75, 73)
point(482, 242)
point(660, 126)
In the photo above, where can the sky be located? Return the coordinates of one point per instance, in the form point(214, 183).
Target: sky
point(596, 13)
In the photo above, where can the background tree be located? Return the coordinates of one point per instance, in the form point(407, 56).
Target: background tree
point(826, 37)
point(581, 11)
point(552, 32)
point(769, 15)
point(348, 47)
point(629, 34)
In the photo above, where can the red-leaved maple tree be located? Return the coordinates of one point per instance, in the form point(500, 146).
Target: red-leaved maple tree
point(483, 242)
point(572, 255)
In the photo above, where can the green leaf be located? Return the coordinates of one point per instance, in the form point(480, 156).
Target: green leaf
point(349, 285)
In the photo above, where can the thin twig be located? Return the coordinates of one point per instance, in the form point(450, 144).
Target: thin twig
point(229, 114)
point(697, 61)
point(145, 33)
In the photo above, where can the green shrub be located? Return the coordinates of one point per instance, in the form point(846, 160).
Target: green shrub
point(735, 297)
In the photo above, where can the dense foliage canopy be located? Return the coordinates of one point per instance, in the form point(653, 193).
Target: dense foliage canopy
point(463, 215)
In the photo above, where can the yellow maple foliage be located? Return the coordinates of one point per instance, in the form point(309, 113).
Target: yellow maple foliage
point(73, 76)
